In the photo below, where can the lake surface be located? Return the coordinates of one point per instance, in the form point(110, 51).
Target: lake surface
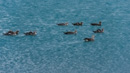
point(50, 51)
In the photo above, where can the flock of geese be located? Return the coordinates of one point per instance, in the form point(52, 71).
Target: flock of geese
point(32, 33)
point(17, 32)
point(80, 24)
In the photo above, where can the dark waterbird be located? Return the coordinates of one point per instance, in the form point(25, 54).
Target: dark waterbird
point(62, 24)
point(71, 32)
point(30, 33)
point(11, 33)
point(99, 31)
point(89, 39)
point(96, 24)
point(78, 24)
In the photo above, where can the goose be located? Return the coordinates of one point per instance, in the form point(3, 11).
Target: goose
point(11, 33)
point(99, 31)
point(78, 24)
point(89, 39)
point(96, 24)
point(62, 24)
point(30, 33)
point(71, 32)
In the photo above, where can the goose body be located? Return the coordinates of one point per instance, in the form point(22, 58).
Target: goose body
point(70, 32)
point(89, 39)
point(62, 24)
point(30, 33)
point(96, 24)
point(99, 31)
point(78, 24)
point(11, 33)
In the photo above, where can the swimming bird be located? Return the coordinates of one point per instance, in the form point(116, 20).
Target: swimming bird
point(62, 24)
point(11, 33)
point(78, 24)
point(96, 24)
point(30, 33)
point(99, 31)
point(89, 39)
point(71, 32)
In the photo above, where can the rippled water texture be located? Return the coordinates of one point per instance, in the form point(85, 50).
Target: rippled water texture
point(50, 51)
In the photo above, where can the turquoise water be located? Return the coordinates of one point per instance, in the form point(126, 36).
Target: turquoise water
point(50, 51)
